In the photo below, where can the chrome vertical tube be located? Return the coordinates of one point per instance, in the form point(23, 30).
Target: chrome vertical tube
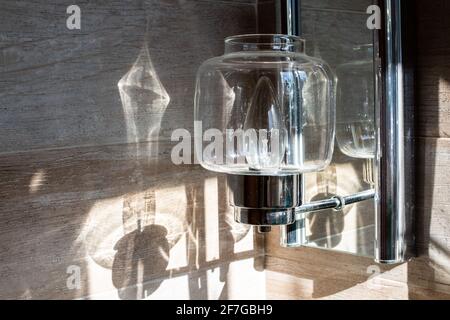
point(293, 17)
point(393, 219)
point(293, 235)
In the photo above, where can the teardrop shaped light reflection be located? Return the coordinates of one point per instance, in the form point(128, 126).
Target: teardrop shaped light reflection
point(265, 132)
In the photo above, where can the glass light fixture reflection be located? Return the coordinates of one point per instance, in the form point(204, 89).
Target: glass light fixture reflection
point(355, 130)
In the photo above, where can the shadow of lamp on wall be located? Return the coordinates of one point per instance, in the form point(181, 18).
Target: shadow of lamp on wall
point(144, 101)
point(144, 249)
point(163, 230)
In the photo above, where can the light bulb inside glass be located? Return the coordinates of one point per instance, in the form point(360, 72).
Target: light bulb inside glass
point(265, 133)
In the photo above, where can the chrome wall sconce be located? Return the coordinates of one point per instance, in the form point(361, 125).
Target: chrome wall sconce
point(268, 116)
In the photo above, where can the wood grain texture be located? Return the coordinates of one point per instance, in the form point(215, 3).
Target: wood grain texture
point(117, 209)
point(137, 226)
point(81, 186)
point(327, 283)
point(309, 273)
point(314, 283)
point(60, 87)
point(433, 69)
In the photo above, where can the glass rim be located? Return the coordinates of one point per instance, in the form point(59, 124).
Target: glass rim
point(264, 38)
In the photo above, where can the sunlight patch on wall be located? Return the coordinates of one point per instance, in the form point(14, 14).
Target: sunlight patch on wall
point(246, 243)
point(243, 282)
point(439, 255)
point(211, 219)
point(37, 180)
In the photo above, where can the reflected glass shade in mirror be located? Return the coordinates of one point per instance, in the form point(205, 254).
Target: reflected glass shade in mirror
point(264, 108)
point(355, 119)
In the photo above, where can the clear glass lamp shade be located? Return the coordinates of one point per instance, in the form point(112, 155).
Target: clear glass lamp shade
point(264, 108)
point(355, 127)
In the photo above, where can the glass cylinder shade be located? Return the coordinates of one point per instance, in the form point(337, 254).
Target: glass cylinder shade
point(355, 127)
point(264, 108)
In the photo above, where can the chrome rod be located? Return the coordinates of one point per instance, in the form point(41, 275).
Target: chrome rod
point(336, 202)
point(294, 235)
point(361, 196)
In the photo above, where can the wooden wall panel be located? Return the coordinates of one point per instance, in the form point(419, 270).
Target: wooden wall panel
point(108, 208)
point(60, 86)
point(86, 180)
point(433, 69)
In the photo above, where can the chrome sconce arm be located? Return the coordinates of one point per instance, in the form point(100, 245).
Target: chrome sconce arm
point(337, 203)
point(294, 235)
